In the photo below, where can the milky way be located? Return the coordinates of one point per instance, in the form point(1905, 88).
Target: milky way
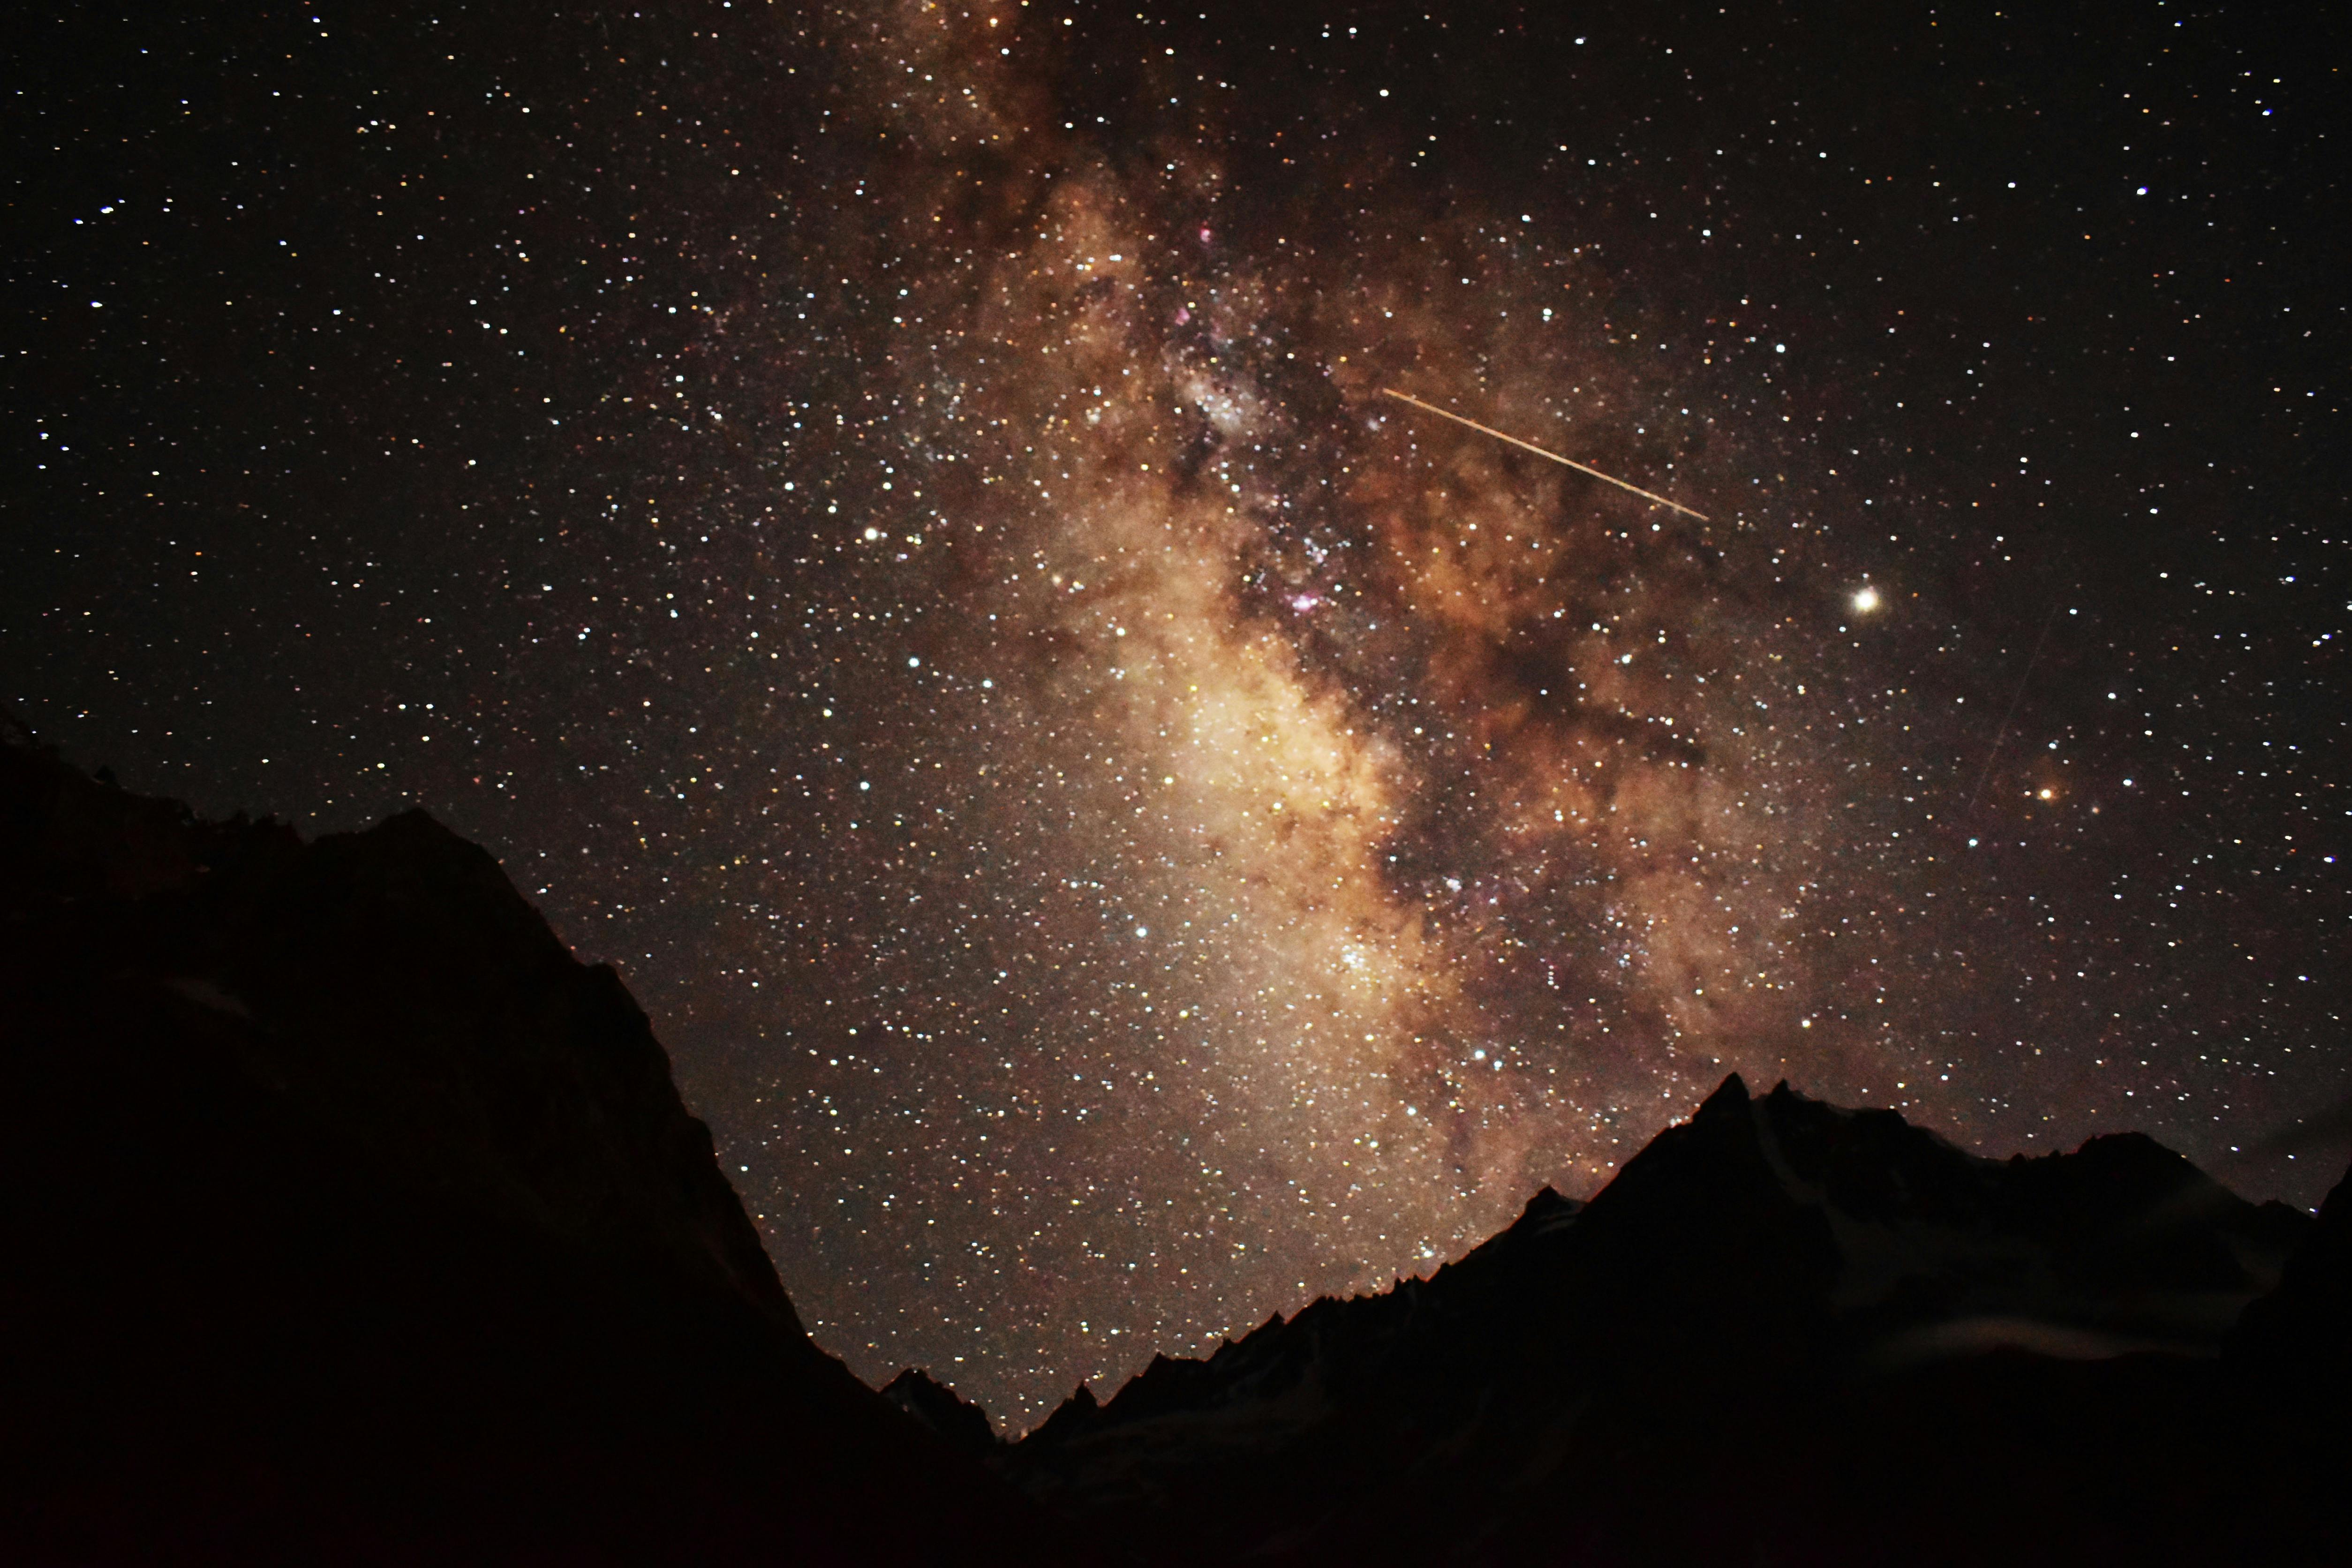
point(1126, 826)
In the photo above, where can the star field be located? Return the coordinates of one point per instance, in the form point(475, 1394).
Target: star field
point(888, 519)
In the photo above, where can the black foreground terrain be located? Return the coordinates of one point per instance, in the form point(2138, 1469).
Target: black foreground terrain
point(1786, 1333)
point(345, 1217)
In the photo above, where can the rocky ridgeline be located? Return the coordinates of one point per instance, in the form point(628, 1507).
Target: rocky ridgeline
point(1786, 1333)
point(349, 1218)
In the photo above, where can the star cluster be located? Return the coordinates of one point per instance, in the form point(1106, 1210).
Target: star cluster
point(891, 522)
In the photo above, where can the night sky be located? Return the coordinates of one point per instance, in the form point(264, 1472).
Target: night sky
point(887, 520)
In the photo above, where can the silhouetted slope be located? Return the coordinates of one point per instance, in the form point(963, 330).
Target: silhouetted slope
point(347, 1218)
point(344, 1216)
point(1786, 1333)
point(2298, 1339)
point(956, 1420)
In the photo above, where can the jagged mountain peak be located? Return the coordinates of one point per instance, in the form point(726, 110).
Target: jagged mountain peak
point(1545, 1214)
point(351, 1218)
point(1768, 1253)
point(1730, 1095)
point(390, 986)
point(954, 1419)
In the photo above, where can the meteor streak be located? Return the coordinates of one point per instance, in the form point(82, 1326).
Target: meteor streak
point(1538, 451)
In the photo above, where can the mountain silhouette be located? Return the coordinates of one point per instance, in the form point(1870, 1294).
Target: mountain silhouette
point(1785, 1333)
point(349, 1219)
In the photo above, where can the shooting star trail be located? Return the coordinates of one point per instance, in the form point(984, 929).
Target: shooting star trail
point(2002, 733)
point(1538, 451)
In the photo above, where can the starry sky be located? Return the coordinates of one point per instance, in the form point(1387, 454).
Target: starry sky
point(889, 521)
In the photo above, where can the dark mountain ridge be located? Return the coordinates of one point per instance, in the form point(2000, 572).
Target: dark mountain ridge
point(1786, 1333)
point(349, 1218)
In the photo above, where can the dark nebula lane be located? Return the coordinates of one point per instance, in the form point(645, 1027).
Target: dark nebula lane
point(890, 522)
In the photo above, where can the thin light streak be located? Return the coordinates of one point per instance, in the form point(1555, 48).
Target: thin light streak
point(1538, 451)
point(2002, 733)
